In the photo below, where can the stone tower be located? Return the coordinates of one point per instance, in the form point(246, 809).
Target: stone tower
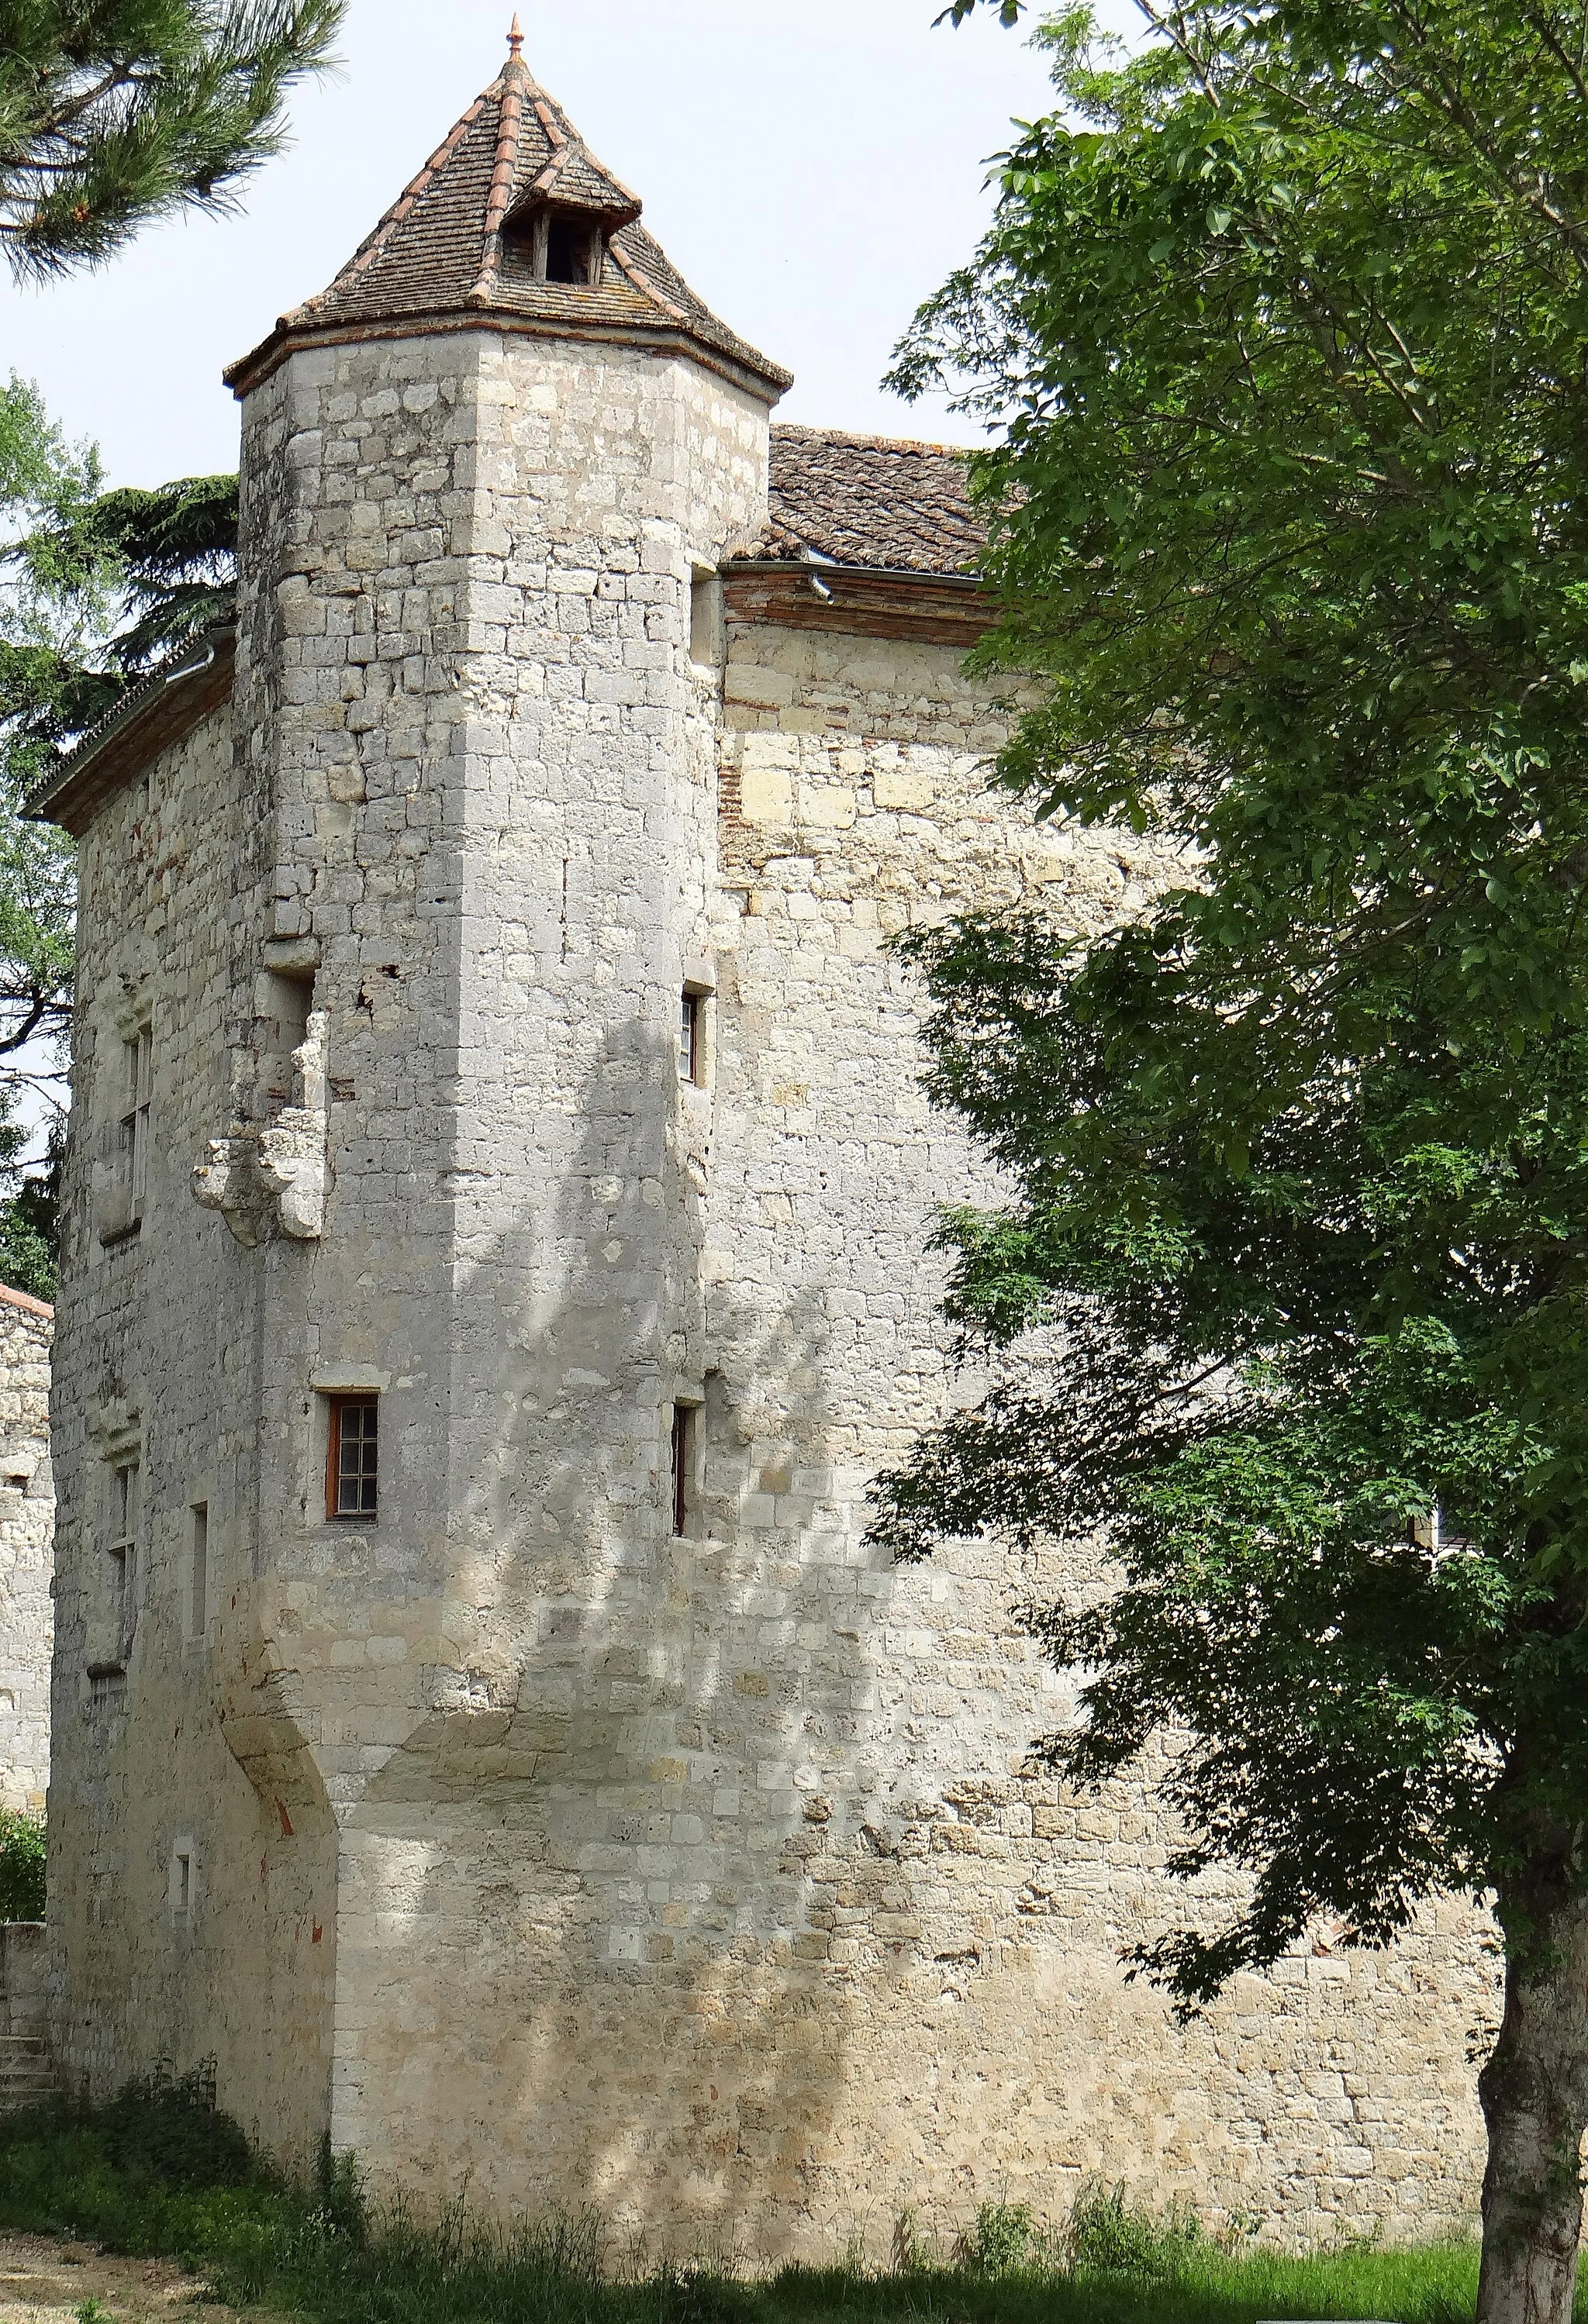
point(495, 1211)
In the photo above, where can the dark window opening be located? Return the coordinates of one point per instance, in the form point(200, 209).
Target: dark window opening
point(567, 251)
point(683, 1457)
point(353, 1466)
point(691, 1055)
point(555, 246)
point(198, 1573)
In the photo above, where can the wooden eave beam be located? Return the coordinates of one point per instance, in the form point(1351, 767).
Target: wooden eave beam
point(161, 713)
point(947, 609)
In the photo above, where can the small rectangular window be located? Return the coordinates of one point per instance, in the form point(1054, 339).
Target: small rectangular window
point(138, 1069)
point(183, 1891)
point(198, 1573)
point(352, 1468)
point(690, 1055)
point(683, 1451)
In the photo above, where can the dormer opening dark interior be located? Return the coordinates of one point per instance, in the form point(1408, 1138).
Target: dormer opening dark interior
point(555, 245)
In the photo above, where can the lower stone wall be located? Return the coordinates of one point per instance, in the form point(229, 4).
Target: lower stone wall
point(22, 1977)
point(753, 1972)
point(27, 1535)
point(25, 2066)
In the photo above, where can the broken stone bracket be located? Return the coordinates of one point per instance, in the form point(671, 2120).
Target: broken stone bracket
point(276, 1175)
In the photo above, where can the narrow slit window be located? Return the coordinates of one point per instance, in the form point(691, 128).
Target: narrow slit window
point(123, 1553)
point(352, 1470)
point(683, 1457)
point(198, 1573)
point(184, 1882)
point(691, 1057)
point(138, 1056)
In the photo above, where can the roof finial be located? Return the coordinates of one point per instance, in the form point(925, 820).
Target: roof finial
point(515, 40)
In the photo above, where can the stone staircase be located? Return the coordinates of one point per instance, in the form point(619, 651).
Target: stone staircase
point(24, 2059)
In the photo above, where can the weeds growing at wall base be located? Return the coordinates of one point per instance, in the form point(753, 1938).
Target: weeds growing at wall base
point(160, 2170)
point(22, 1865)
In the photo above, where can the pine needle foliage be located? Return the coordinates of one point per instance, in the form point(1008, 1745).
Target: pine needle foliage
point(117, 112)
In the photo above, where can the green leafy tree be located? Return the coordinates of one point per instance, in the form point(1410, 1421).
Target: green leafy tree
point(22, 1866)
point(1281, 326)
point(115, 113)
point(95, 588)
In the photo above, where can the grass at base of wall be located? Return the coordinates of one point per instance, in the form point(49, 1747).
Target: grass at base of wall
point(160, 2172)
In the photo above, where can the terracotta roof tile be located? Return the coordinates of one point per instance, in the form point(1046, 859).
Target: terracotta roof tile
point(868, 500)
point(445, 245)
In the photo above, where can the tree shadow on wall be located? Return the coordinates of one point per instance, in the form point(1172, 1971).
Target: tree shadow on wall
point(603, 1908)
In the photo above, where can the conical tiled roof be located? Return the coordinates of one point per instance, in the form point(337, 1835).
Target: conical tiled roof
point(441, 251)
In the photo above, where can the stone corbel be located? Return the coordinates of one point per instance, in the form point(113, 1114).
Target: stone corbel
point(276, 1175)
point(292, 1153)
point(230, 1183)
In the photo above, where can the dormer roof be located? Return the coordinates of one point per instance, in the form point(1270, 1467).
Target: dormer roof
point(442, 257)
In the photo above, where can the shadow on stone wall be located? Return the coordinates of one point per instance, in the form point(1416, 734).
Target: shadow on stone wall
point(589, 1905)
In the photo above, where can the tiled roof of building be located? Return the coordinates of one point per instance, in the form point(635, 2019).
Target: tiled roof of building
point(25, 1301)
point(446, 248)
point(868, 500)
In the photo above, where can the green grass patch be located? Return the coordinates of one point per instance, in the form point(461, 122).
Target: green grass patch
point(159, 2171)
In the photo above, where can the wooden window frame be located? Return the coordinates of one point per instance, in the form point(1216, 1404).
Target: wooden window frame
point(359, 1400)
point(529, 240)
point(692, 1039)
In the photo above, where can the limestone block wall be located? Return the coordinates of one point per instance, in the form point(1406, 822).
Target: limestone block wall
point(27, 1528)
point(959, 1916)
point(533, 1847)
point(157, 1373)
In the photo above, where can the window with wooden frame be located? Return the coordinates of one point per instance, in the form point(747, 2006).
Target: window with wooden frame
point(138, 1074)
point(352, 1457)
point(555, 245)
point(691, 1045)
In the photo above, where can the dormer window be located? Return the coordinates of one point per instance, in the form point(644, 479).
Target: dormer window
point(555, 245)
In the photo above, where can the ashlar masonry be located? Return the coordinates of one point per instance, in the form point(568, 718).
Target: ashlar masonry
point(495, 1213)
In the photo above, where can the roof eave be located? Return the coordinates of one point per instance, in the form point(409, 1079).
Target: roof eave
point(163, 710)
point(879, 601)
point(768, 381)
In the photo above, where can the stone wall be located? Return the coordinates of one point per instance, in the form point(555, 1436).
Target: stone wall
point(157, 1368)
point(27, 1527)
point(533, 1849)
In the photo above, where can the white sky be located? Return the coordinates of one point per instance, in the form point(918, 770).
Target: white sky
point(814, 168)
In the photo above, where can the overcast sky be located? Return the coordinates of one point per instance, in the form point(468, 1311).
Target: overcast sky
point(814, 168)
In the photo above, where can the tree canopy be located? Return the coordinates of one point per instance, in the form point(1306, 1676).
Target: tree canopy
point(95, 588)
point(1280, 327)
point(115, 113)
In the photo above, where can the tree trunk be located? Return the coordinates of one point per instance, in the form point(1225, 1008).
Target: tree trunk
point(1534, 2091)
